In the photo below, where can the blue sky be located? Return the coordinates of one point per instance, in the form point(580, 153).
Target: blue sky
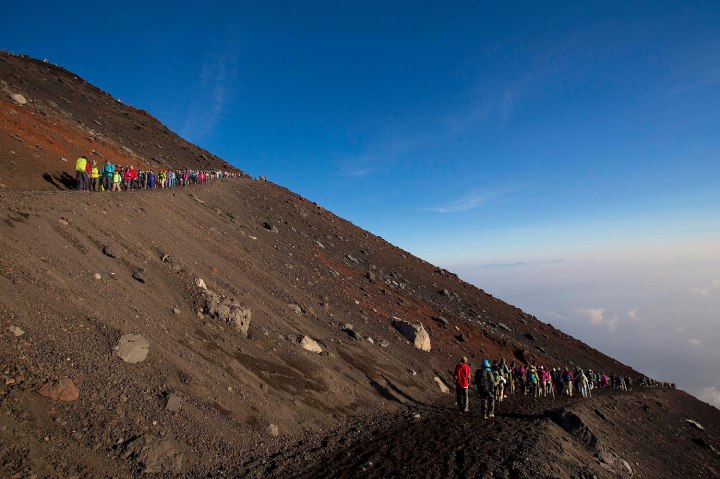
point(532, 134)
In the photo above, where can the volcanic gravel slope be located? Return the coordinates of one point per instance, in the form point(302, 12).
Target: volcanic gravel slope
point(79, 270)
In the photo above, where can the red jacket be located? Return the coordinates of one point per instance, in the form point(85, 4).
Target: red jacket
point(462, 375)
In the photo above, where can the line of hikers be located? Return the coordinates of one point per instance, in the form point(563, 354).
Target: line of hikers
point(90, 177)
point(496, 381)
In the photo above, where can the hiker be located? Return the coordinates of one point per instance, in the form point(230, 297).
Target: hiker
point(511, 377)
point(462, 383)
point(499, 382)
point(583, 384)
point(81, 178)
point(150, 175)
point(567, 380)
point(544, 377)
point(532, 380)
point(116, 178)
point(108, 174)
point(628, 383)
point(94, 177)
point(485, 383)
point(128, 179)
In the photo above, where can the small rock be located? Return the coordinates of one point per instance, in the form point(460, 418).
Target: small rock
point(140, 276)
point(445, 292)
point(371, 276)
point(173, 403)
point(530, 336)
point(370, 340)
point(111, 251)
point(18, 98)
point(352, 258)
point(695, 424)
point(348, 329)
point(416, 416)
point(270, 227)
point(273, 430)
point(505, 327)
point(62, 390)
point(441, 384)
point(310, 344)
point(441, 321)
point(132, 348)
point(383, 343)
point(176, 310)
point(165, 258)
point(97, 276)
point(295, 308)
point(16, 331)
point(200, 283)
point(412, 372)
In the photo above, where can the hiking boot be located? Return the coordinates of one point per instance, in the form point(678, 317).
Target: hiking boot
point(491, 415)
point(485, 416)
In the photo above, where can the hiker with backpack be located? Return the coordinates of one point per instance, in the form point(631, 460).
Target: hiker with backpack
point(462, 383)
point(94, 176)
point(81, 176)
point(567, 381)
point(485, 383)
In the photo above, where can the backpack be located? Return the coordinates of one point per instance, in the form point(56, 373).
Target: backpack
point(485, 381)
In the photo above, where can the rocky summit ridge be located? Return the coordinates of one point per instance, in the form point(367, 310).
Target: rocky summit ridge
point(238, 329)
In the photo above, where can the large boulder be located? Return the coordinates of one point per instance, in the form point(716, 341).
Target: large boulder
point(416, 333)
point(227, 310)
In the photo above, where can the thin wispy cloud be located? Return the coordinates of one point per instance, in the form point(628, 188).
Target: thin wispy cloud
point(694, 342)
point(470, 201)
point(356, 171)
point(213, 93)
point(699, 78)
point(632, 315)
point(378, 156)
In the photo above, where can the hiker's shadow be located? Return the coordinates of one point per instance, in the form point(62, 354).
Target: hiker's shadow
point(63, 181)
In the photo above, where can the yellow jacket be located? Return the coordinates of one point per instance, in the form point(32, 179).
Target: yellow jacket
point(94, 173)
point(80, 164)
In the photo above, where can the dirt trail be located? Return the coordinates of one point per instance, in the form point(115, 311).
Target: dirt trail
point(528, 438)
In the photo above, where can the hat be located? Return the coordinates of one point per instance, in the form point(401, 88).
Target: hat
point(463, 359)
point(485, 363)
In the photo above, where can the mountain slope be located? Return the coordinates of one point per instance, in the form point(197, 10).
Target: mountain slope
point(80, 270)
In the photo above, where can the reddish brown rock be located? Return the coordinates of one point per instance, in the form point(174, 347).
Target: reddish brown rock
point(62, 390)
